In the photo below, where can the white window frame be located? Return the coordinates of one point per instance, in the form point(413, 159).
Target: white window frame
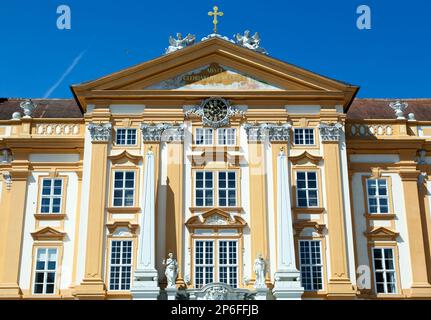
point(122, 266)
point(384, 271)
point(226, 136)
point(307, 189)
point(204, 188)
point(312, 265)
point(207, 135)
point(123, 188)
point(204, 265)
point(378, 196)
point(51, 196)
point(229, 266)
point(302, 133)
point(45, 271)
point(127, 131)
point(227, 188)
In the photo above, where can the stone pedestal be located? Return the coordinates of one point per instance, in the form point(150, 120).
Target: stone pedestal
point(261, 293)
point(145, 286)
point(287, 285)
point(171, 293)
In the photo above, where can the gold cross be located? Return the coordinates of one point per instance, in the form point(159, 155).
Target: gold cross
point(215, 14)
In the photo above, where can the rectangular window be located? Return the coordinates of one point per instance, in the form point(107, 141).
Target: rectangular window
point(384, 270)
point(227, 189)
point(304, 136)
point(45, 271)
point(51, 196)
point(204, 136)
point(306, 189)
point(204, 262)
point(126, 137)
point(204, 188)
point(120, 272)
point(124, 188)
point(377, 195)
point(228, 262)
point(311, 265)
point(226, 136)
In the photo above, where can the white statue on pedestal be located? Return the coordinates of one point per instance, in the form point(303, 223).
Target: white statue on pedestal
point(171, 271)
point(260, 271)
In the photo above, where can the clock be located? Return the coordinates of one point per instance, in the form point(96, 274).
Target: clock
point(215, 111)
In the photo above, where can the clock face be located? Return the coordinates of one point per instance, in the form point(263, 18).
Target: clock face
point(215, 109)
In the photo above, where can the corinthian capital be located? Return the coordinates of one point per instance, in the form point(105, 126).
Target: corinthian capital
point(330, 132)
point(272, 132)
point(100, 131)
point(162, 132)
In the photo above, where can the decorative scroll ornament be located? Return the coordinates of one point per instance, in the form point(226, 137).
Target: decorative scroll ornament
point(330, 132)
point(249, 42)
point(215, 112)
point(162, 132)
point(270, 131)
point(100, 131)
point(180, 42)
point(8, 179)
point(28, 106)
point(399, 108)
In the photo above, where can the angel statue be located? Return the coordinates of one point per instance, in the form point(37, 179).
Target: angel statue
point(260, 271)
point(180, 42)
point(249, 42)
point(171, 271)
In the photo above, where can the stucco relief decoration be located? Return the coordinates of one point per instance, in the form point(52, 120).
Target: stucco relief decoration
point(216, 293)
point(164, 132)
point(100, 132)
point(180, 42)
point(216, 220)
point(330, 132)
point(250, 42)
point(268, 131)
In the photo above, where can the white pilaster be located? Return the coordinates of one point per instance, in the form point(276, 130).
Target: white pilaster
point(287, 278)
point(145, 284)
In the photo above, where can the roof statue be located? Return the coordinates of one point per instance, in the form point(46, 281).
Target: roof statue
point(180, 42)
point(249, 42)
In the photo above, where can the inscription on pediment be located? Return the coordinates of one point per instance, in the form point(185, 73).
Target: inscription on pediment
point(213, 77)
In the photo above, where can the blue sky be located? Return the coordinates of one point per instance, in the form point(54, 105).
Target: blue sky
point(392, 60)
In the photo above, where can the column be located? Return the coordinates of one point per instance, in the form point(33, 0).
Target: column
point(287, 278)
point(339, 284)
point(174, 205)
point(93, 286)
point(145, 284)
point(420, 287)
point(12, 212)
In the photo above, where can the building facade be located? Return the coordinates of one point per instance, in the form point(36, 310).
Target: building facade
point(215, 172)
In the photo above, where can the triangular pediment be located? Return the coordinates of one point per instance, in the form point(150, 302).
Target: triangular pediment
point(382, 233)
point(48, 233)
point(214, 67)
